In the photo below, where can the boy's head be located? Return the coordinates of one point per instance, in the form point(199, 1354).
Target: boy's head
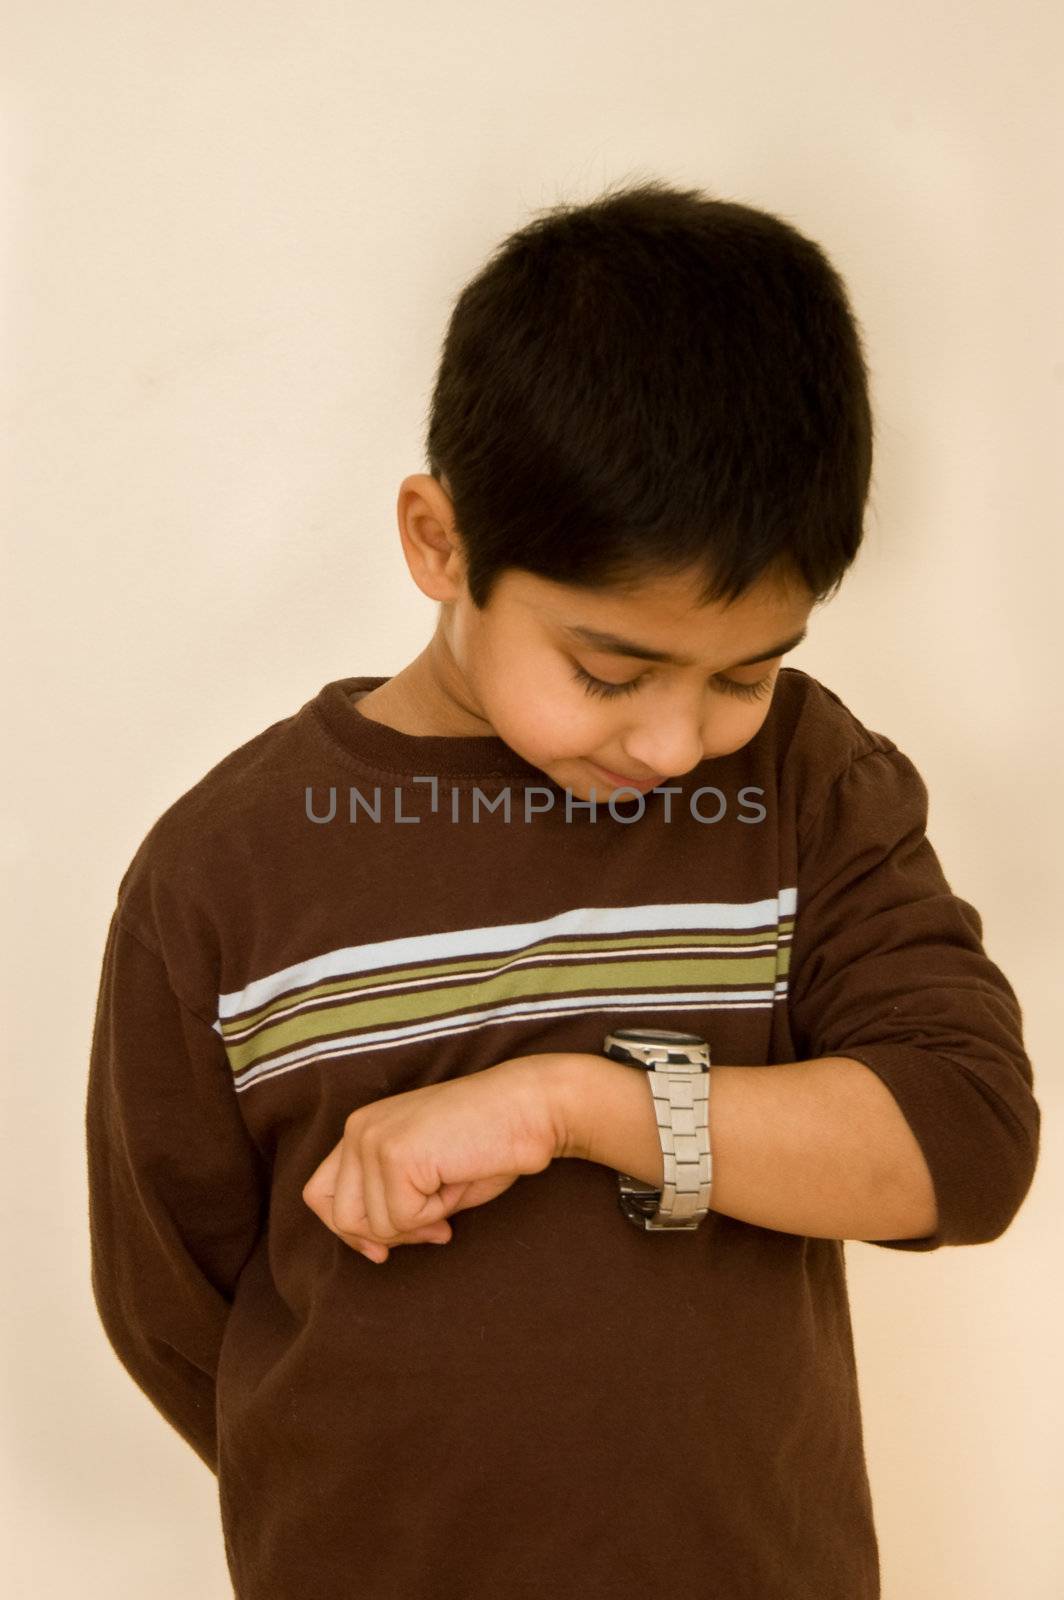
point(651, 417)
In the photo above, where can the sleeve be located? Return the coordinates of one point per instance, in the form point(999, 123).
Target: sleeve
point(888, 967)
point(177, 1189)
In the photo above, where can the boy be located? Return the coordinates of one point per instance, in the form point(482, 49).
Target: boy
point(360, 977)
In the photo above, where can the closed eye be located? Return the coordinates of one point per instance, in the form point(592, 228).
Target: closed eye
point(608, 691)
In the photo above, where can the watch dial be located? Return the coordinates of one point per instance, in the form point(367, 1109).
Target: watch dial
point(656, 1036)
point(625, 1044)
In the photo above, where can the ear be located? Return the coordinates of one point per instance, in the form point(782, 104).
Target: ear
point(431, 546)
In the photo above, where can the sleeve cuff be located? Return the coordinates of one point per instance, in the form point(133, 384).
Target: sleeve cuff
point(980, 1157)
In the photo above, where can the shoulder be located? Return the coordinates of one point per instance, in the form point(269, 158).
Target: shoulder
point(830, 759)
point(210, 836)
point(815, 726)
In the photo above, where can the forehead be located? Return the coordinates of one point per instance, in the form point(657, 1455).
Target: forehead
point(662, 620)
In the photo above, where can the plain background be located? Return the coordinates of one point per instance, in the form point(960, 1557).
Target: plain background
point(235, 231)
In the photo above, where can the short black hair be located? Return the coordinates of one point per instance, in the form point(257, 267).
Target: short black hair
point(655, 383)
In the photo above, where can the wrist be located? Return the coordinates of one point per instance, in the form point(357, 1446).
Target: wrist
point(573, 1079)
point(605, 1113)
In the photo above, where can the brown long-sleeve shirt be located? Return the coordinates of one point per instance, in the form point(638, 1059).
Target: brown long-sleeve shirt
point(555, 1402)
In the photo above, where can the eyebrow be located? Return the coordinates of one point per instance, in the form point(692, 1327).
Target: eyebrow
point(612, 645)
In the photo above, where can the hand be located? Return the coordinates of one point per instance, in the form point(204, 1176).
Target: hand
point(408, 1161)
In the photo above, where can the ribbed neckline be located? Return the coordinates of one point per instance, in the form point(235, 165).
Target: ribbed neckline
point(405, 755)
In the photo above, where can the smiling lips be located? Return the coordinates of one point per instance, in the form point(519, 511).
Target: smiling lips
point(631, 783)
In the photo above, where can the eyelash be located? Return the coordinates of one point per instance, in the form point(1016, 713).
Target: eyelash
point(608, 691)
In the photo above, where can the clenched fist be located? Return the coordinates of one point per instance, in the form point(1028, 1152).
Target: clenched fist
point(407, 1162)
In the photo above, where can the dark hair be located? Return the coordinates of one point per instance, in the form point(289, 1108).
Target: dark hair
point(654, 383)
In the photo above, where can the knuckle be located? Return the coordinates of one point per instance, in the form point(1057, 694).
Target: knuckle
point(348, 1220)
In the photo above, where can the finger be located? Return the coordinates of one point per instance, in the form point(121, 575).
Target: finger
point(375, 1196)
point(433, 1235)
point(373, 1250)
point(392, 1200)
point(320, 1187)
point(319, 1195)
point(349, 1217)
point(371, 1190)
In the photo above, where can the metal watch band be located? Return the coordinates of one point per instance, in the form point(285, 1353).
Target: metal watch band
point(677, 1067)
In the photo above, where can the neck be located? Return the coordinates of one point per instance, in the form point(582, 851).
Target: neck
point(420, 700)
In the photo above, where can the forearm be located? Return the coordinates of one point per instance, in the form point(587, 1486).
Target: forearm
point(818, 1147)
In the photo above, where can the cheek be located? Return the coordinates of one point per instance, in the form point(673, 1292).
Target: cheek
point(736, 724)
point(565, 724)
point(548, 712)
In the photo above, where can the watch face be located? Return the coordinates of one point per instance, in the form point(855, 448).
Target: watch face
point(655, 1036)
point(656, 1047)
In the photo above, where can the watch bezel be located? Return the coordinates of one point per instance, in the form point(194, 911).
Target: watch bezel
point(663, 1047)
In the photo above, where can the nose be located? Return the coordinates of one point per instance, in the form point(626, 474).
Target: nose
point(670, 749)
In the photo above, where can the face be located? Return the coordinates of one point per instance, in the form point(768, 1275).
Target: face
point(590, 713)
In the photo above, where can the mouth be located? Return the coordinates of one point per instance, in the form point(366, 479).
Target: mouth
point(619, 780)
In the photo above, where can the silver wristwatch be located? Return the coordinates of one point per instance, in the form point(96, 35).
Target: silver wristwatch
point(677, 1068)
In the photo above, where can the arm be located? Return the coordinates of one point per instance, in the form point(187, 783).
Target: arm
point(888, 968)
point(909, 1118)
point(811, 1147)
point(176, 1188)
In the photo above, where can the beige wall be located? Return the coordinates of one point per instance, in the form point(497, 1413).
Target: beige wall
point(234, 232)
